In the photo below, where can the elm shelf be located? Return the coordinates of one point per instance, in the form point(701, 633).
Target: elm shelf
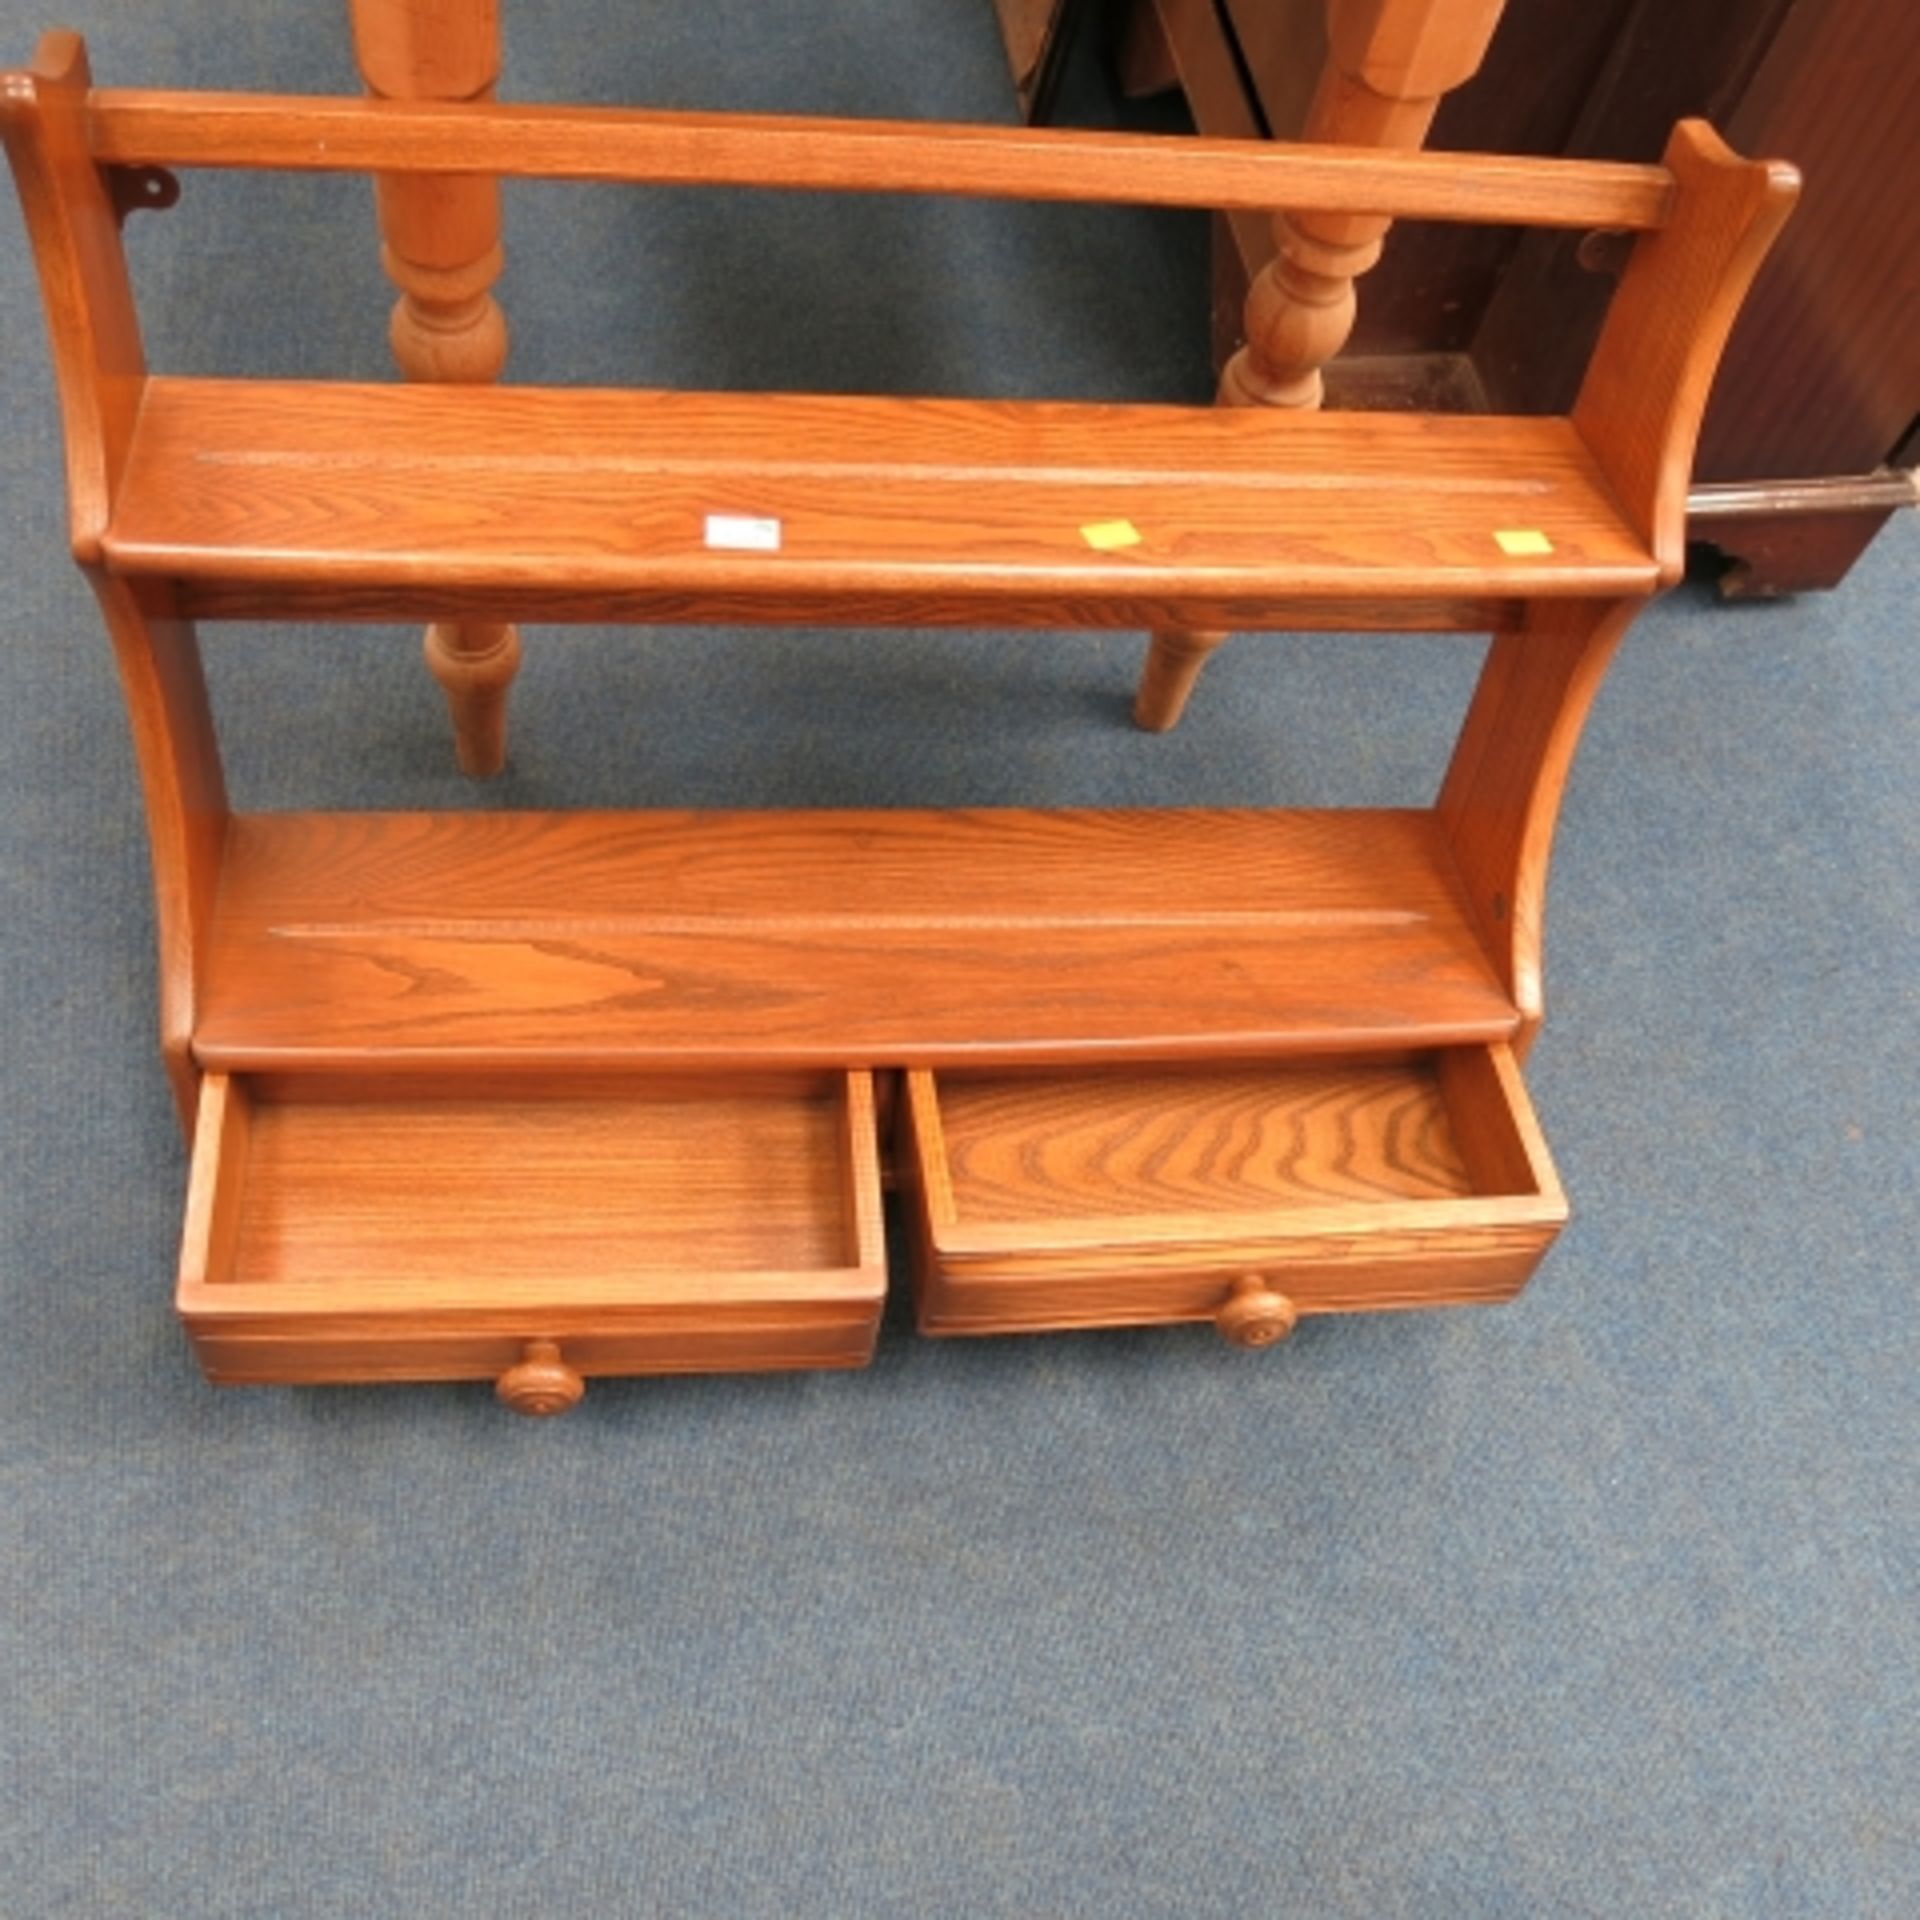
point(490, 941)
point(534, 1097)
point(263, 499)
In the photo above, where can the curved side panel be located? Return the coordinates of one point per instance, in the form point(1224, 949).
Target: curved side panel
point(99, 364)
point(1501, 796)
point(1646, 386)
point(186, 799)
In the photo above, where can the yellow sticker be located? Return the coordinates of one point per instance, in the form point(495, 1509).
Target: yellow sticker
point(1109, 536)
point(1523, 540)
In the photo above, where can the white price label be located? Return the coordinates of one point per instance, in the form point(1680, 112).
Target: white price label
point(742, 533)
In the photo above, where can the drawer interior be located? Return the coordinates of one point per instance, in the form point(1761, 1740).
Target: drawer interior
point(1233, 1143)
point(416, 1200)
point(1242, 1194)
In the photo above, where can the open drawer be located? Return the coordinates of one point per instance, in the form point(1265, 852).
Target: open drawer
point(530, 1231)
point(1242, 1195)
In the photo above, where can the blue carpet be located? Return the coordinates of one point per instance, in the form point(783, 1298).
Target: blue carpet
point(1601, 1604)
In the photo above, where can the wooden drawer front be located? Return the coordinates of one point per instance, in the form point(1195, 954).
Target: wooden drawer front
point(532, 1232)
point(1128, 1198)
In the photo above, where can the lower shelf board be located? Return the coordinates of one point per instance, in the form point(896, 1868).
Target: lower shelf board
point(659, 941)
point(1244, 1195)
point(531, 1232)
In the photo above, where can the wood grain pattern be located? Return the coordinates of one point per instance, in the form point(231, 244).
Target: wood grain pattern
point(1822, 374)
point(532, 1097)
point(529, 1192)
point(441, 231)
point(1119, 1199)
point(628, 1226)
point(857, 938)
point(820, 605)
point(1425, 297)
point(1383, 1270)
point(317, 133)
point(1493, 1121)
point(184, 792)
point(1214, 1142)
point(1646, 386)
point(893, 502)
point(99, 364)
point(100, 375)
point(442, 250)
point(377, 1349)
point(216, 1180)
point(1500, 800)
point(1633, 69)
point(1388, 64)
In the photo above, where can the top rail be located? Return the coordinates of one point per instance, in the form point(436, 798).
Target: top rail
point(319, 133)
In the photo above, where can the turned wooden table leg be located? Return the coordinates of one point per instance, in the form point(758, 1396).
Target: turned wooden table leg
point(441, 235)
point(475, 662)
point(1389, 62)
point(1174, 660)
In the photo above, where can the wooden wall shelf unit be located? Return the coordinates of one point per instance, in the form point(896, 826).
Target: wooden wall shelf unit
point(1236, 1065)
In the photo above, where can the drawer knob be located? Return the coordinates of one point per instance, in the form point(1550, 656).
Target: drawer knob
point(1253, 1315)
point(540, 1383)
